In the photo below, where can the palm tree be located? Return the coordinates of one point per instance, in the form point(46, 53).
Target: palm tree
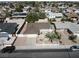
point(54, 27)
point(19, 7)
point(72, 37)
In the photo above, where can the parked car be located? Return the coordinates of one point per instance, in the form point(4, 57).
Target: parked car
point(74, 48)
point(8, 49)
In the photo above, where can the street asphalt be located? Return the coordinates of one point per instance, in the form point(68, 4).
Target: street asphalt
point(62, 53)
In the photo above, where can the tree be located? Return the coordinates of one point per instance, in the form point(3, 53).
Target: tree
point(32, 17)
point(19, 8)
point(70, 5)
point(11, 5)
point(7, 13)
point(72, 37)
point(45, 3)
point(54, 27)
point(36, 5)
point(41, 15)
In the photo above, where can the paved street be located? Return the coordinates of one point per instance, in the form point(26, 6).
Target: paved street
point(41, 54)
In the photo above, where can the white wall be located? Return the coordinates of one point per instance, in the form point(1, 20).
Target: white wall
point(43, 31)
point(58, 19)
point(76, 34)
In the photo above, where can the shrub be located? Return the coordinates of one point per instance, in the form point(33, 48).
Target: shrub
point(52, 36)
point(72, 37)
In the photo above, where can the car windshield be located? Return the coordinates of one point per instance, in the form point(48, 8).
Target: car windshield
point(78, 47)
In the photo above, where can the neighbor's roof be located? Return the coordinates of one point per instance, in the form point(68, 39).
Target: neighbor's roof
point(53, 15)
point(1, 16)
point(8, 27)
point(19, 14)
point(72, 26)
point(70, 15)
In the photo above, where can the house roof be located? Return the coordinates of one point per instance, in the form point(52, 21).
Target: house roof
point(68, 25)
point(1, 16)
point(70, 15)
point(19, 14)
point(70, 9)
point(8, 27)
point(54, 15)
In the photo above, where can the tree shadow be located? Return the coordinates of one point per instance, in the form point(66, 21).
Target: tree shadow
point(74, 41)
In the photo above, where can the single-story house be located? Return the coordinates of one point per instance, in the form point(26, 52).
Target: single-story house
point(54, 9)
point(55, 16)
point(73, 16)
point(19, 14)
point(2, 18)
point(27, 8)
point(73, 27)
point(77, 11)
point(10, 28)
point(42, 9)
point(70, 9)
point(47, 10)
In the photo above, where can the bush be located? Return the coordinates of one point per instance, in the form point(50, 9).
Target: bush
point(72, 37)
point(52, 36)
point(19, 8)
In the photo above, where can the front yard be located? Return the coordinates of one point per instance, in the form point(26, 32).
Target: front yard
point(63, 41)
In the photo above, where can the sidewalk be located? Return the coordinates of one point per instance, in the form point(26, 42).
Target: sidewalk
point(43, 47)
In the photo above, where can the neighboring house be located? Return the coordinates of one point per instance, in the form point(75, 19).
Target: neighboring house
point(11, 10)
point(77, 11)
point(72, 16)
point(10, 28)
point(62, 7)
point(54, 9)
point(42, 9)
point(19, 14)
point(69, 10)
point(71, 13)
point(54, 16)
point(73, 27)
point(47, 9)
point(2, 18)
point(28, 8)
